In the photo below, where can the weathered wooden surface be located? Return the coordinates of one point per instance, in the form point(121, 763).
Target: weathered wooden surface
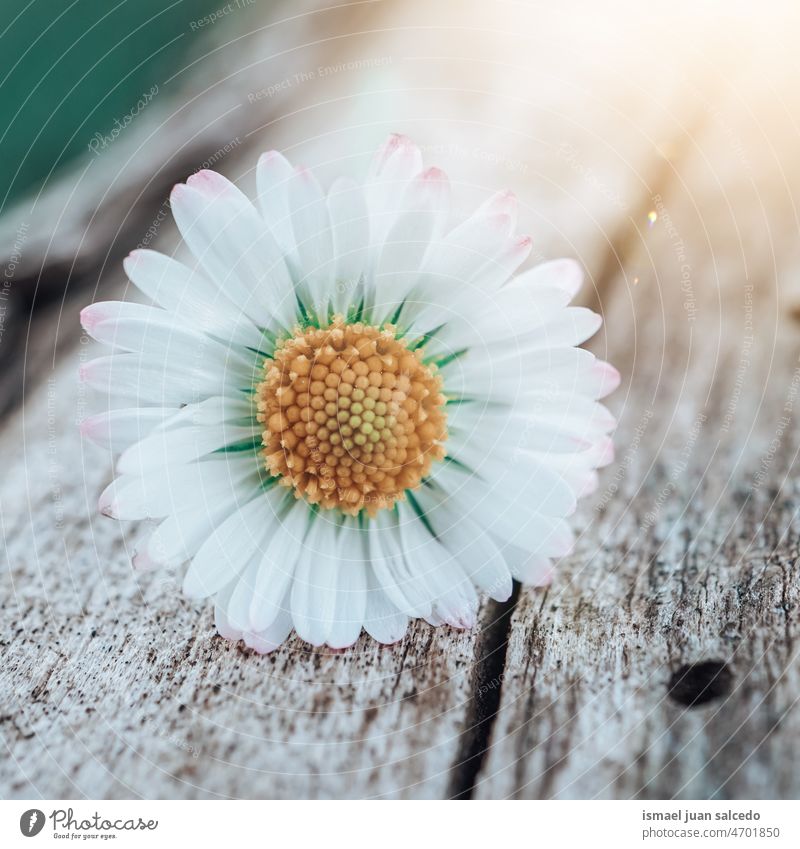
point(662, 661)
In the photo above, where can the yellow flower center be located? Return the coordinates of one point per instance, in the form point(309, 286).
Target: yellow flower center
point(352, 417)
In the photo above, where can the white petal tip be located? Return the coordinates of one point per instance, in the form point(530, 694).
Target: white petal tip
point(590, 485)
point(502, 595)
point(341, 646)
point(391, 639)
point(606, 454)
point(133, 259)
point(192, 589)
point(464, 620)
point(258, 644)
point(567, 274)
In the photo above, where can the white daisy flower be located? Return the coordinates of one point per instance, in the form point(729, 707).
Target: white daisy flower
point(345, 413)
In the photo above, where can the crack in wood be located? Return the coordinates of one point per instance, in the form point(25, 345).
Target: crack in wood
point(486, 686)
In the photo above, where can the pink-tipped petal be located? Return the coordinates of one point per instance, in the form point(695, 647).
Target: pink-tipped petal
point(501, 203)
point(610, 378)
point(394, 144)
point(431, 188)
point(133, 262)
point(92, 315)
point(434, 175)
point(398, 161)
point(178, 191)
point(210, 183)
point(429, 194)
point(523, 245)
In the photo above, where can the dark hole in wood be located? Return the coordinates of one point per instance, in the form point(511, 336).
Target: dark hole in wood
point(698, 683)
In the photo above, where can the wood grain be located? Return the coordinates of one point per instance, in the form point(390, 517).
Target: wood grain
point(662, 661)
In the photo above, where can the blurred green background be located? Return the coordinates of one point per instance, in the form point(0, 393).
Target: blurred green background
point(71, 69)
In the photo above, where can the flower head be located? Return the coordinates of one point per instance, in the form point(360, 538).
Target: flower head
point(345, 412)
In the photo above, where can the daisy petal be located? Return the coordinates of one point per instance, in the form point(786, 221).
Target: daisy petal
point(382, 620)
point(312, 233)
point(452, 593)
point(227, 550)
point(230, 240)
point(276, 568)
point(186, 292)
point(118, 429)
point(397, 580)
point(314, 588)
point(351, 600)
point(273, 176)
point(183, 445)
point(563, 274)
point(271, 637)
point(351, 238)
point(396, 164)
point(424, 209)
